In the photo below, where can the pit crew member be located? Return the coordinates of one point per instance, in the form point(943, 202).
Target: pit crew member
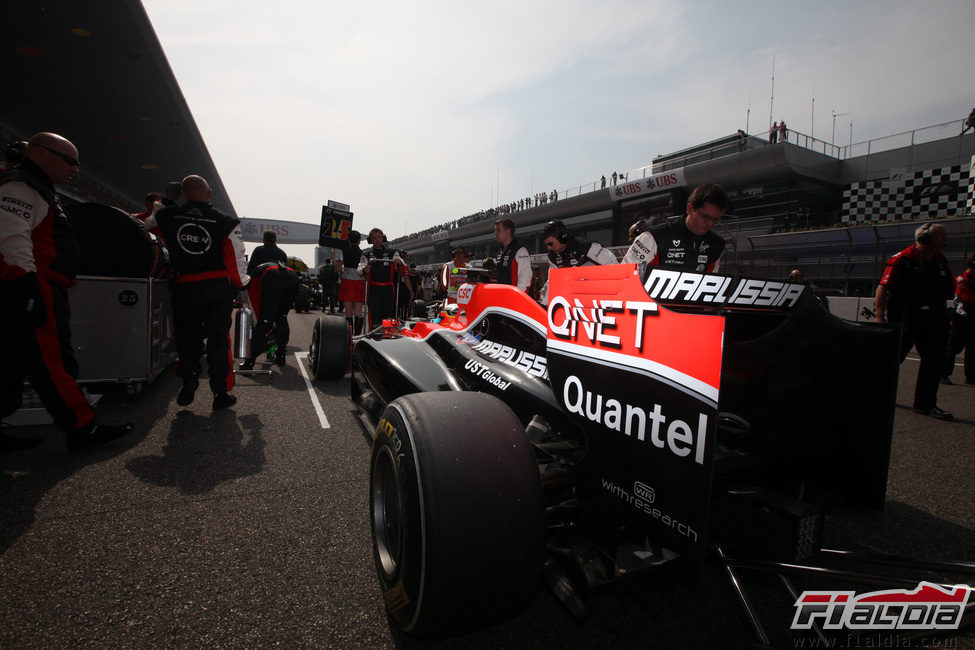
point(39, 259)
point(567, 250)
point(381, 266)
point(272, 291)
point(207, 255)
point(514, 264)
point(453, 274)
point(686, 243)
point(963, 325)
point(266, 252)
point(912, 292)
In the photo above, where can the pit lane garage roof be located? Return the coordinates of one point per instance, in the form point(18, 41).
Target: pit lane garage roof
point(96, 73)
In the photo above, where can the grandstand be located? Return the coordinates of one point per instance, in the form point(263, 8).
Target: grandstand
point(837, 213)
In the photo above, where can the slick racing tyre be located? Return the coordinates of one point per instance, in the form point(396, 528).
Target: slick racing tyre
point(457, 512)
point(331, 346)
point(419, 309)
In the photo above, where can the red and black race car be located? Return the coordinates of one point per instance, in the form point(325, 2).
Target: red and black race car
point(631, 424)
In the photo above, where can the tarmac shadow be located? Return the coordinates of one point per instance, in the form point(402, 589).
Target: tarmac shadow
point(202, 452)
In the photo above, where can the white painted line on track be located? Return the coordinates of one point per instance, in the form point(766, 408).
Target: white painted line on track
point(301, 356)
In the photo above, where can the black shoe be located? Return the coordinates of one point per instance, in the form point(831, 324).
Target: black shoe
point(247, 364)
point(17, 443)
point(186, 393)
point(223, 400)
point(281, 359)
point(935, 412)
point(96, 434)
point(970, 382)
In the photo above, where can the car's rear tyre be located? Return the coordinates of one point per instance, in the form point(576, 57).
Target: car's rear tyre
point(457, 512)
point(419, 309)
point(330, 350)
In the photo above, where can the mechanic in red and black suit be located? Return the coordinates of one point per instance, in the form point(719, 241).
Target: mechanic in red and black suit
point(962, 335)
point(272, 291)
point(382, 267)
point(514, 263)
point(913, 291)
point(207, 256)
point(39, 259)
point(153, 202)
point(686, 243)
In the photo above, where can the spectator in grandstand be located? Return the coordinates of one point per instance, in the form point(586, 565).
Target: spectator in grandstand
point(783, 132)
point(514, 264)
point(602, 182)
point(962, 335)
point(454, 273)
point(267, 252)
point(969, 123)
point(912, 292)
point(208, 257)
point(39, 259)
point(773, 133)
point(352, 286)
point(687, 242)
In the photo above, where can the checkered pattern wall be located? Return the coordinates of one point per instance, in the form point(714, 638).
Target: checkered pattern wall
point(930, 192)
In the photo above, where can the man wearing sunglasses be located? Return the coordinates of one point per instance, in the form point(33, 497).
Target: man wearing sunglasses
point(686, 243)
point(39, 259)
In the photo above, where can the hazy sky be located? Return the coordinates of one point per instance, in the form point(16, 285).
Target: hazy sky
point(418, 113)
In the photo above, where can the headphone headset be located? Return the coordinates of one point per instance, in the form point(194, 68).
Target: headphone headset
point(558, 230)
point(923, 236)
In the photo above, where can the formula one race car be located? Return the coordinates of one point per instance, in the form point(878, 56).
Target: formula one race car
point(628, 426)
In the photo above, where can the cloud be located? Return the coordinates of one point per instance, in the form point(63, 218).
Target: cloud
point(416, 113)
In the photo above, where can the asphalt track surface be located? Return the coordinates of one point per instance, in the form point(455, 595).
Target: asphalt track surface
point(248, 528)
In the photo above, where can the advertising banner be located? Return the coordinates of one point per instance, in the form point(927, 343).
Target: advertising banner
point(288, 232)
point(642, 383)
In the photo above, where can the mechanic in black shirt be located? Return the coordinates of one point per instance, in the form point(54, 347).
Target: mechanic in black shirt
point(382, 267)
point(686, 243)
point(567, 250)
point(207, 255)
point(267, 252)
point(514, 262)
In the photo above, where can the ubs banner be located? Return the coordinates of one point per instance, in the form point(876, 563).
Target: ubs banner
point(664, 181)
point(288, 232)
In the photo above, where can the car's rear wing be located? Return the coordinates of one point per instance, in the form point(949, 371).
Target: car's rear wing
point(813, 395)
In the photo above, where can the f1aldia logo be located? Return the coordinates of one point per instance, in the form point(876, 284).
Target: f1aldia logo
point(193, 238)
point(929, 607)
